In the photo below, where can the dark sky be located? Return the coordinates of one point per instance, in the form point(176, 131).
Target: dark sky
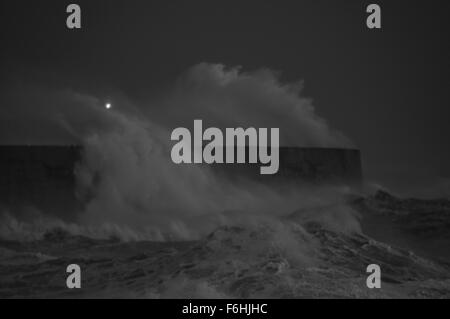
point(386, 90)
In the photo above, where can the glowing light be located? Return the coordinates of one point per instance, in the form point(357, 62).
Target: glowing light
point(108, 105)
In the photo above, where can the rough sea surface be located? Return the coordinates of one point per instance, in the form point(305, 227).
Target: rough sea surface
point(294, 257)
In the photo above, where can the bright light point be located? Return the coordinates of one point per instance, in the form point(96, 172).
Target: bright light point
point(108, 105)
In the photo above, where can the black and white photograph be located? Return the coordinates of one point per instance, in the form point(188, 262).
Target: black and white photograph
point(224, 150)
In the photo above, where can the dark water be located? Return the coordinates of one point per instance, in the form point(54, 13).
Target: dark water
point(295, 257)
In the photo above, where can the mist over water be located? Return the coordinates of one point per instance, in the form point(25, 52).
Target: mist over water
point(218, 95)
point(126, 176)
point(133, 183)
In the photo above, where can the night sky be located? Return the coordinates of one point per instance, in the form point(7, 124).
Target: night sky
point(386, 90)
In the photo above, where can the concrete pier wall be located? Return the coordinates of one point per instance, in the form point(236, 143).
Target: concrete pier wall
point(305, 165)
point(44, 176)
point(39, 176)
